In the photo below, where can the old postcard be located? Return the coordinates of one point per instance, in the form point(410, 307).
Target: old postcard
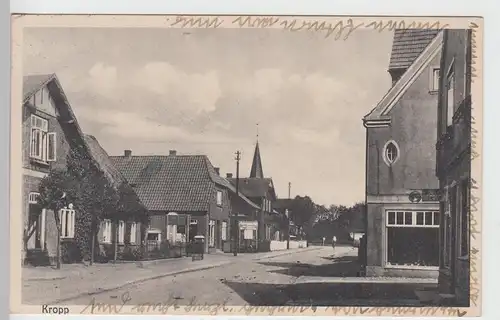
point(251, 165)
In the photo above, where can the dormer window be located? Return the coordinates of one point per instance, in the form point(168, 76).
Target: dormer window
point(391, 153)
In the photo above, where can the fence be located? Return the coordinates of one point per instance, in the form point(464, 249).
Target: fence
point(164, 250)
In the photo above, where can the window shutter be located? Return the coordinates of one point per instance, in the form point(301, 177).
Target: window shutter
point(100, 233)
point(51, 146)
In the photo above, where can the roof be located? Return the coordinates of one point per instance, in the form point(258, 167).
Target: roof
point(102, 159)
point(256, 170)
point(168, 183)
point(379, 116)
point(408, 44)
point(253, 187)
point(173, 183)
point(114, 176)
point(33, 83)
point(227, 185)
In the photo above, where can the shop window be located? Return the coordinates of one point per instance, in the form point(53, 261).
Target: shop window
point(412, 238)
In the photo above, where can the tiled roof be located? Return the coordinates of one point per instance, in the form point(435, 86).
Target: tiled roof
point(408, 45)
point(33, 83)
point(253, 187)
point(169, 183)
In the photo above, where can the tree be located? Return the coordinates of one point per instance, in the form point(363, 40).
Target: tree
point(302, 210)
point(55, 193)
point(86, 187)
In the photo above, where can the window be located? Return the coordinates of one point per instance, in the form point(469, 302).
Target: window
point(67, 219)
point(219, 198)
point(106, 231)
point(42, 142)
point(434, 79)
point(121, 231)
point(211, 233)
point(33, 198)
point(224, 231)
point(391, 153)
point(133, 232)
point(412, 238)
point(450, 85)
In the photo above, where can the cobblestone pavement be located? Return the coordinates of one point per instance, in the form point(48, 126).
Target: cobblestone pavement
point(265, 282)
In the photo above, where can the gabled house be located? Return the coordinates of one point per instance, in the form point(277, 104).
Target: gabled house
point(184, 195)
point(401, 187)
point(260, 190)
point(454, 164)
point(119, 234)
point(49, 131)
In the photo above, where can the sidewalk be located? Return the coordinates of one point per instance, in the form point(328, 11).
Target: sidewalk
point(44, 285)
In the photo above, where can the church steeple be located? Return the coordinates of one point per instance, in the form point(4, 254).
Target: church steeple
point(256, 171)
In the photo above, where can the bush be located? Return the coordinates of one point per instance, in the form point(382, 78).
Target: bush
point(70, 252)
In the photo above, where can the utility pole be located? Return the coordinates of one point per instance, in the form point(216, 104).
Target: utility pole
point(289, 189)
point(235, 221)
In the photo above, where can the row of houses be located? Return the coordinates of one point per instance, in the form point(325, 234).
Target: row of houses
point(418, 163)
point(177, 196)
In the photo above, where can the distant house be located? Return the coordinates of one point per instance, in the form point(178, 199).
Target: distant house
point(401, 185)
point(184, 195)
point(454, 164)
point(260, 190)
point(121, 230)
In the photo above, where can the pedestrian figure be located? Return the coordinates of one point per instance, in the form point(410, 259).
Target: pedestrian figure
point(334, 241)
point(324, 241)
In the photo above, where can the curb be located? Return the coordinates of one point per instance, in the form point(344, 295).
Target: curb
point(172, 273)
point(288, 252)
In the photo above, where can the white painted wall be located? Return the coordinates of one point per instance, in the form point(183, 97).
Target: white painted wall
point(281, 245)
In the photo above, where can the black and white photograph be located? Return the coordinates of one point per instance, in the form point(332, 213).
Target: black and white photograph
point(203, 164)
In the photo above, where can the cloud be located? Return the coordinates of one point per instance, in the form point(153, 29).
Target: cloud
point(198, 92)
point(135, 126)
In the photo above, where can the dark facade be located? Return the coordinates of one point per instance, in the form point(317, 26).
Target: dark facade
point(454, 164)
point(402, 225)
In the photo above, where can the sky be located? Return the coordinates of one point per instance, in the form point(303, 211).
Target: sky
point(203, 91)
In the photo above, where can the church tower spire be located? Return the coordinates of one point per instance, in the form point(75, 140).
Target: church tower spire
point(256, 171)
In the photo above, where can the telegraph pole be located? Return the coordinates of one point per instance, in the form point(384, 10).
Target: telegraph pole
point(235, 221)
point(289, 189)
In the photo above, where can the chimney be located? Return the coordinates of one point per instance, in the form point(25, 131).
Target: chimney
point(217, 170)
point(172, 153)
point(229, 175)
point(127, 153)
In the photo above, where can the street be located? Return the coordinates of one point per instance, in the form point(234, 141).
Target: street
point(266, 282)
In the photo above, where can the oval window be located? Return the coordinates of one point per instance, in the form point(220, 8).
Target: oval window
point(391, 152)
